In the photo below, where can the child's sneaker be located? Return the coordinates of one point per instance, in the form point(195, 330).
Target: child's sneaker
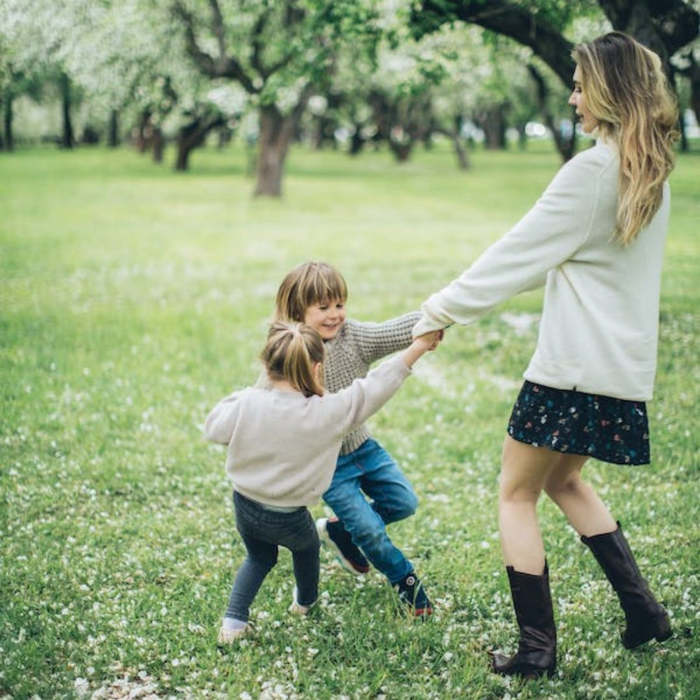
point(231, 630)
point(296, 607)
point(412, 593)
point(332, 532)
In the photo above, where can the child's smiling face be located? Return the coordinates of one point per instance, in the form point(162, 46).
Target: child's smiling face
point(326, 317)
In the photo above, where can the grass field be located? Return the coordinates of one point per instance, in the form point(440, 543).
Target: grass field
point(133, 298)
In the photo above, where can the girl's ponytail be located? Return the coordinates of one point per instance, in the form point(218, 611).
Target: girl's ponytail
point(290, 354)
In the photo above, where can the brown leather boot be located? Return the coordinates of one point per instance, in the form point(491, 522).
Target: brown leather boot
point(645, 617)
point(537, 648)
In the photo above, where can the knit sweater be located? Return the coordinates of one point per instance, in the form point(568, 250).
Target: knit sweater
point(283, 446)
point(599, 327)
point(355, 347)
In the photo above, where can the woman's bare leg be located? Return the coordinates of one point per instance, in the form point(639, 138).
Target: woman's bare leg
point(578, 501)
point(524, 473)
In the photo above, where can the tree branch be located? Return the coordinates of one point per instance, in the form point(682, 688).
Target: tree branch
point(223, 67)
point(217, 26)
point(304, 96)
point(503, 17)
point(256, 39)
point(670, 23)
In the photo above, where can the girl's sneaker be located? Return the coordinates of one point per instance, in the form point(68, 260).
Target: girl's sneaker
point(231, 630)
point(412, 593)
point(332, 532)
point(296, 607)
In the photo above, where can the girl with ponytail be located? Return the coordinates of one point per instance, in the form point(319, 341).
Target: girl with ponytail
point(595, 240)
point(283, 440)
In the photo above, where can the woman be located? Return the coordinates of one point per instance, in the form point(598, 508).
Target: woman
point(595, 239)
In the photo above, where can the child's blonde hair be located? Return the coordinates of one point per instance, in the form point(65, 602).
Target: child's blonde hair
point(308, 284)
point(291, 351)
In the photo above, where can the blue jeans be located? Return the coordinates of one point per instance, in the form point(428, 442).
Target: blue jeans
point(371, 470)
point(262, 531)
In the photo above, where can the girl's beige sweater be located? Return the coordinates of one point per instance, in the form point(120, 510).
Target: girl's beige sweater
point(283, 446)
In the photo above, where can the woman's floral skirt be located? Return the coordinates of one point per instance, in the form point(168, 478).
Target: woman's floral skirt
point(608, 429)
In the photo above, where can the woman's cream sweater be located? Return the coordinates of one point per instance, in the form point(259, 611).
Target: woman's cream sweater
point(599, 326)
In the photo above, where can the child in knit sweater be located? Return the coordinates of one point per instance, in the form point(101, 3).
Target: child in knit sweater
point(368, 490)
point(283, 441)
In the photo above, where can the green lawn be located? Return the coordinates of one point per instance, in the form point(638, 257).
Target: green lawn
point(133, 298)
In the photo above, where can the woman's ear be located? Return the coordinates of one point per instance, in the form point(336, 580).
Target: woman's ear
point(318, 372)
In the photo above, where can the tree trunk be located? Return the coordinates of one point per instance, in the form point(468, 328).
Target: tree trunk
point(695, 91)
point(401, 150)
point(113, 135)
point(461, 152)
point(67, 140)
point(522, 137)
point(158, 144)
point(8, 135)
point(492, 122)
point(455, 136)
point(692, 73)
point(184, 148)
point(685, 146)
point(276, 132)
point(356, 142)
point(143, 132)
point(225, 134)
point(192, 136)
point(316, 135)
point(322, 132)
point(565, 146)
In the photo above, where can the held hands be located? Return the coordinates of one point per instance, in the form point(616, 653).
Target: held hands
point(421, 345)
point(431, 340)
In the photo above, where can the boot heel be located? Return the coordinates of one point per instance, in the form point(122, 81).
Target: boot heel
point(513, 666)
point(658, 628)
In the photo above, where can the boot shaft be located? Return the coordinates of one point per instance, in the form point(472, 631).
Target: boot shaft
point(537, 645)
point(532, 598)
point(645, 617)
point(613, 554)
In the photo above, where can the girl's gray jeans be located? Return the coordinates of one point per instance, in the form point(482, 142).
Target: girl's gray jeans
point(263, 530)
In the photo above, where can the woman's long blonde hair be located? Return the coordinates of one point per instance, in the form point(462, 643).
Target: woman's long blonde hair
point(625, 89)
point(291, 351)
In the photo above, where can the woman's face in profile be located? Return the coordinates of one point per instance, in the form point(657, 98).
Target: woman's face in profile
point(578, 100)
